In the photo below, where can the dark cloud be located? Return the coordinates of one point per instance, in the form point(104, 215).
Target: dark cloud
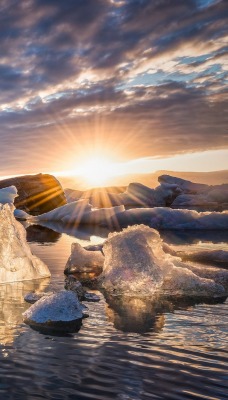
point(69, 62)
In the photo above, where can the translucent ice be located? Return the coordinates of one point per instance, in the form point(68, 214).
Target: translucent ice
point(136, 264)
point(17, 263)
point(82, 260)
point(68, 213)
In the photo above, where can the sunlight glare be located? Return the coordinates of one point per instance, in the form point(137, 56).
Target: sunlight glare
point(97, 171)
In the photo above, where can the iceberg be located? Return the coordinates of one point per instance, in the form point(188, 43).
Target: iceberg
point(8, 194)
point(67, 213)
point(167, 218)
point(137, 195)
point(185, 185)
point(78, 212)
point(101, 215)
point(17, 263)
point(136, 264)
point(218, 257)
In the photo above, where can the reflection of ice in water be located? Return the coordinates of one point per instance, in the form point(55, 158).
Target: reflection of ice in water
point(12, 305)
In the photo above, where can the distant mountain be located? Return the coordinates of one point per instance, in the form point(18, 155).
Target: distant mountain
point(151, 179)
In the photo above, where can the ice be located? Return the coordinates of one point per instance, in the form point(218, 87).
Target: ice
point(17, 263)
point(196, 194)
point(167, 218)
point(183, 184)
point(21, 215)
point(218, 194)
point(71, 283)
point(188, 200)
point(136, 264)
point(56, 308)
point(67, 213)
point(79, 212)
point(82, 260)
point(132, 261)
point(32, 297)
point(96, 217)
point(8, 194)
point(205, 256)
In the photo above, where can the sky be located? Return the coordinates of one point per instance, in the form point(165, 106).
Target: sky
point(140, 83)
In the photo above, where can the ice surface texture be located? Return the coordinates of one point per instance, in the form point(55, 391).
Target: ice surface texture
point(136, 264)
point(69, 212)
point(79, 212)
point(17, 263)
point(167, 218)
point(82, 260)
point(59, 307)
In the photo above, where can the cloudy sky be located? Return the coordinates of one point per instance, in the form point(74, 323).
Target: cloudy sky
point(129, 79)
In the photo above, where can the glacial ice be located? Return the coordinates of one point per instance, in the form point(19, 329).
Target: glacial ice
point(82, 260)
point(136, 264)
point(17, 263)
point(21, 215)
point(8, 194)
point(79, 212)
point(185, 185)
point(98, 216)
point(167, 218)
point(205, 256)
point(56, 308)
point(67, 213)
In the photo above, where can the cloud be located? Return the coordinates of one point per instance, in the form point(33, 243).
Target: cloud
point(152, 72)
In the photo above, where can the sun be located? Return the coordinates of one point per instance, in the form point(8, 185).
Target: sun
point(97, 171)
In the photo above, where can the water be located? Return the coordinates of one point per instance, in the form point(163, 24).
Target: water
point(131, 350)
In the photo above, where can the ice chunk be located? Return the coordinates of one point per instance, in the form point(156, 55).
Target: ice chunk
point(205, 256)
point(32, 297)
point(101, 215)
point(133, 262)
point(91, 297)
point(67, 213)
point(183, 184)
point(167, 218)
point(21, 215)
point(82, 260)
point(71, 283)
point(8, 194)
point(55, 310)
point(17, 263)
point(218, 194)
point(136, 264)
point(188, 200)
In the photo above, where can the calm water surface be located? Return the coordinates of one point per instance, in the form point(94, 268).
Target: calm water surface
point(125, 350)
